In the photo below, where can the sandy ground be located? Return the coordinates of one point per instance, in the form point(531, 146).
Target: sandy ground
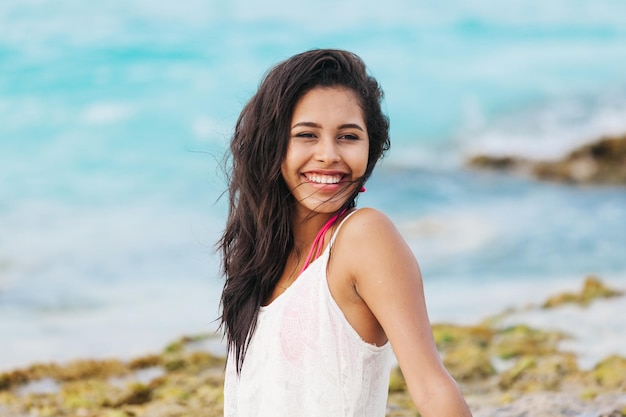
point(550, 404)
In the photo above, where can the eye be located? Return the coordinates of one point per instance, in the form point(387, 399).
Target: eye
point(304, 135)
point(349, 136)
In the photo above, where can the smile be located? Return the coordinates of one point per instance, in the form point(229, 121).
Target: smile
point(323, 179)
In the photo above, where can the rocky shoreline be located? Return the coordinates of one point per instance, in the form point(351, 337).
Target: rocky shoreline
point(503, 370)
point(600, 162)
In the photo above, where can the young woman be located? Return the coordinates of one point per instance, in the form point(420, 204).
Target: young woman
point(317, 293)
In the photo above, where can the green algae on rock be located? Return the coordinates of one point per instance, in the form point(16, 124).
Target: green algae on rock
point(539, 373)
point(468, 361)
point(190, 383)
point(464, 350)
point(447, 335)
point(520, 340)
point(72, 371)
point(610, 373)
point(593, 288)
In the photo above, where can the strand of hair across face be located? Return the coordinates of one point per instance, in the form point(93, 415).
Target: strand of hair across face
point(318, 243)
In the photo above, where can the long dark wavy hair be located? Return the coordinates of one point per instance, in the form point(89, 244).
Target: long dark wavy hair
point(258, 236)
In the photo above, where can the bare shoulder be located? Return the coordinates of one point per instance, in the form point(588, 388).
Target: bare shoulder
point(373, 243)
point(367, 221)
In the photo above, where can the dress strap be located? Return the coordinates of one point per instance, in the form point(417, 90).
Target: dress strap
point(318, 242)
point(334, 236)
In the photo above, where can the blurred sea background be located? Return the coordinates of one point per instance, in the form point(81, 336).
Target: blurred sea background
point(115, 116)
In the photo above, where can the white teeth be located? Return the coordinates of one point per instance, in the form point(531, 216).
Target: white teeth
point(324, 179)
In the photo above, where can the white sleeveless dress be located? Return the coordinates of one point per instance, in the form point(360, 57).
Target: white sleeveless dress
point(306, 360)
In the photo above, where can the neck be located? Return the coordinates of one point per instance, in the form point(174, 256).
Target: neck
point(306, 224)
point(315, 249)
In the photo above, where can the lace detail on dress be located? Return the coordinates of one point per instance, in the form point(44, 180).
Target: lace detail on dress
point(306, 360)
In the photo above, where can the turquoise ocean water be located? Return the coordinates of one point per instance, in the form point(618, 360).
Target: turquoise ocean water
point(114, 116)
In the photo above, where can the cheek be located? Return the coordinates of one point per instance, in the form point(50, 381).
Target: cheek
point(289, 168)
point(295, 157)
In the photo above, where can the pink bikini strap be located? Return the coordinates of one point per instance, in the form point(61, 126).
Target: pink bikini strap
point(318, 243)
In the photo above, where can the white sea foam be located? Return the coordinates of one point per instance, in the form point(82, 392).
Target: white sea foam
point(135, 320)
point(549, 131)
point(109, 281)
point(436, 238)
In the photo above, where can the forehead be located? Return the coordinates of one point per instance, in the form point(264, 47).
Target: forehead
point(329, 103)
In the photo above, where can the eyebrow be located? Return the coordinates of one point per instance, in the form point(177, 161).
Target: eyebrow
point(316, 125)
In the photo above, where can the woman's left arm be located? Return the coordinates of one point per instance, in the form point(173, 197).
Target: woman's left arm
point(388, 279)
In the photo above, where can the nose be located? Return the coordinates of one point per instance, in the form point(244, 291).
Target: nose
point(327, 150)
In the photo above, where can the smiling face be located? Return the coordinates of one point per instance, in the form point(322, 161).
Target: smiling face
point(328, 149)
